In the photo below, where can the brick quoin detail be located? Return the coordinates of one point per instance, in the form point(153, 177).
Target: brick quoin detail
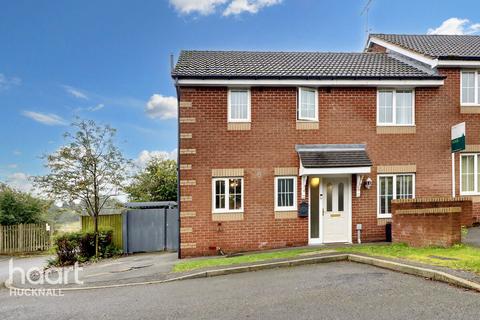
point(346, 115)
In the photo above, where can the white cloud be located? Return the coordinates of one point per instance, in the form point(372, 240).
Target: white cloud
point(77, 93)
point(12, 166)
point(203, 7)
point(145, 156)
point(20, 181)
point(456, 26)
point(161, 107)
point(229, 7)
point(48, 119)
point(17, 152)
point(251, 6)
point(97, 107)
point(8, 82)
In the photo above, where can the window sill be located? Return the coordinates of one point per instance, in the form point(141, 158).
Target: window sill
point(469, 194)
point(396, 129)
point(238, 126)
point(384, 216)
point(466, 109)
point(307, 125)
point(285, 209)
point(230, 216)
point(285, 214)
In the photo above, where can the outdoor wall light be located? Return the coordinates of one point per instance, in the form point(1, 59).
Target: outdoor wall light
point(368, 183)
point(315, 182)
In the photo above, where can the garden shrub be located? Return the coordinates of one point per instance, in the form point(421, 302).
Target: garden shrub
point(80, 246)
point(66, 247)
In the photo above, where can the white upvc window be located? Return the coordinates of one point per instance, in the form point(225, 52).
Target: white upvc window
point(239, 105)
point(395, 107)
point(227, 195)
point(469, 174)
point(286, 193)
point(469, 88)
point(393, 186)
point(307, 104)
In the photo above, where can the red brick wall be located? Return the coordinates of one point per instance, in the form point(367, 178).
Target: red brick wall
point(376, 48)
point(420, 228)
point(347, 115)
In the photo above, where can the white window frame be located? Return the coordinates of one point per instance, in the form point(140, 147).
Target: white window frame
point(299, 103)
point(249, 105)
point(475, 191)
point(285, 208)
point(227, 195)
point(394, 108)
point(477, 100)
point(394, 196)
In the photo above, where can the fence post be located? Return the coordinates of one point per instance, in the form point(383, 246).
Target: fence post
point(1, 239)
point(21, 244)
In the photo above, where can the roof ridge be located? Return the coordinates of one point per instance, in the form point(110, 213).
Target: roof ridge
point(423, 35)
point(280, 52)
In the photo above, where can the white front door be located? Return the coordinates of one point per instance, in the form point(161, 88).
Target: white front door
point(336, 209)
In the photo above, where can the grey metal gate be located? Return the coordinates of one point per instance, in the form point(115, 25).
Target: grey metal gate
point(148, 227)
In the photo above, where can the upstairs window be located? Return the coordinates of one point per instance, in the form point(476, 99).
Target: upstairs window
point(239, 105)
point(395, 107)
point(227, 195)
point(307, 104)
point(469, 88)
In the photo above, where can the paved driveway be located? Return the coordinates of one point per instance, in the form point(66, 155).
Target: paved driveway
point(133, 268)
point(326, 291)
point(24, 263)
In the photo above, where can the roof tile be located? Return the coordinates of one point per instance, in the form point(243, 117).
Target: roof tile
point(298, 65)
point(437, 46)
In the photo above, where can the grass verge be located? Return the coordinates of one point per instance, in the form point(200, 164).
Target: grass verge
point(193, 264)
point(460, 257)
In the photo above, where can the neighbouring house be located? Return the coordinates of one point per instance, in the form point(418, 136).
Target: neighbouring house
point(293, 148)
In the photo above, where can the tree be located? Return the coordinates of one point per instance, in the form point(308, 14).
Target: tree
point(19, 207)
point(157, 182)
point(89, 168)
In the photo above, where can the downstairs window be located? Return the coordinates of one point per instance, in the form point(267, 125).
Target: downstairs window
point(393, 186)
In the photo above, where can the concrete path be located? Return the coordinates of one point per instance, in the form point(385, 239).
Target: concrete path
point(21, 262)
point(473, 237)
point(325, 291)
point(128, 269)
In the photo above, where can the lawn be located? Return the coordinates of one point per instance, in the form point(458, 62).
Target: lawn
point(461, 257)
point(192, 264)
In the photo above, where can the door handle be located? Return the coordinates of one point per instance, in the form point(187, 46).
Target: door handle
point(323, 211)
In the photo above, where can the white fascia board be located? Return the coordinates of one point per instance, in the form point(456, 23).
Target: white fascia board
point(458, 63)
point(339, 170)
point(311, 83)
point(405, 52)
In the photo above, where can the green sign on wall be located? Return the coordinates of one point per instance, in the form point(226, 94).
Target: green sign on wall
point(458, 137)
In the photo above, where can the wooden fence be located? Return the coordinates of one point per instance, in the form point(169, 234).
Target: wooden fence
point(24, 238)
point(112, 221)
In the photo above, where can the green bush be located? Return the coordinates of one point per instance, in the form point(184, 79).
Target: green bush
point(80, 246)
point(67, 248)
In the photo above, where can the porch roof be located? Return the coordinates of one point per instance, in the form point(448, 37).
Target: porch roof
point(333, 158)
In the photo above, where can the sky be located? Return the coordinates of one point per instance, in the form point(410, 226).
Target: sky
point(109, 60)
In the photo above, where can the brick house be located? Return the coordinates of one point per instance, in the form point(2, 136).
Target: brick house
point(293, 148)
